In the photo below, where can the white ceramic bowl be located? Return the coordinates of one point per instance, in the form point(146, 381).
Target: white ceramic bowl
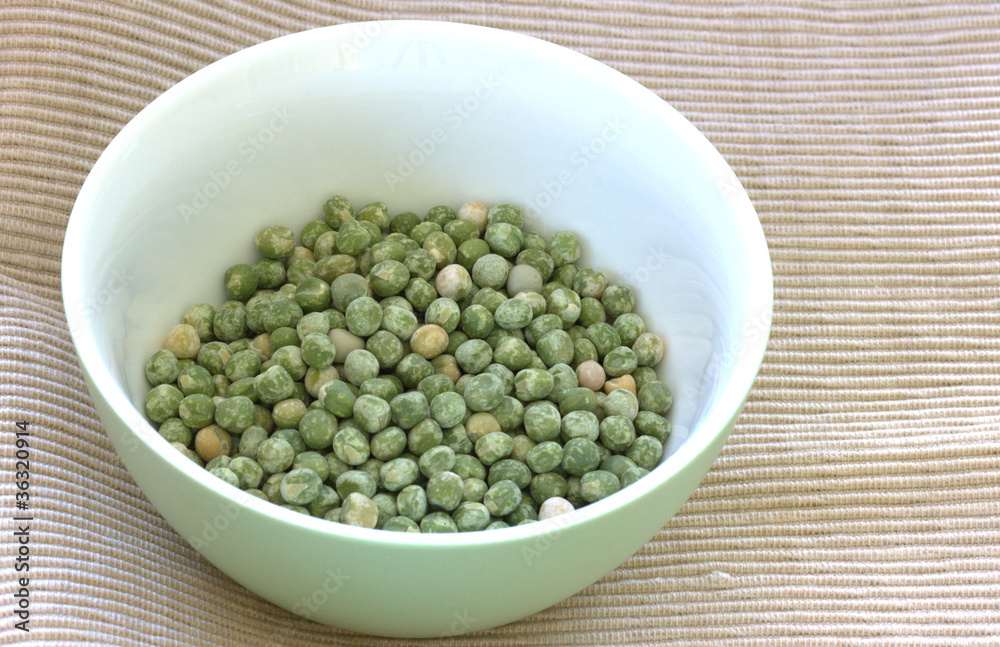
point(415, 114)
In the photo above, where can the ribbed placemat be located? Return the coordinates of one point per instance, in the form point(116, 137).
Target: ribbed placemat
point(857, 500)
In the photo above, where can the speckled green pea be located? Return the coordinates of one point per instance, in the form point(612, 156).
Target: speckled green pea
point(513, 353)
point(545, 457)
point(282, 312)
point(292, 437)
point(580, 456)
point(476, 322)
point(372, 414)
point(434, 385)
point(323, 248)
point(283, 336)
point(473, 489)
point(376, 213)
point(509, 414)
point(523, 514)
point(388, 443)
point(420, 293)
point(399, 523)
point(555, 347)
point(388, 250)
point(404, 222)
point(648, 423)
point(483, 392)
point(229, 323)
point(173, 430)
point(275, 242)
point(338, 399)
point(332, 267)
point(386, 505)
point(648, 349)
point(490, 271)
point(604, 337)
point(413, 368)
point(250, 441)
point(435, 460)
point(443, 312)
point(221, 383)
point(300, 486)
point(468, 466)
point(577, 399)
point(632, 474)
point(541, 325)
point(617, 433)
point(564, 248)
point(504, 239)
point(353, 238)
point(243, 364)
point(421, 231)
point(256, 309)
point(364, 316)
point(522, 445)
point(540, 261)
point(399, 322)
point(162, 402)
point(542, 421)
point(270, 487)
point(270, 273)
point(356, 481)
point(234, 414)
point(448, 409)
point(317, 428)
point(290, 358)
point(489, 299)
point(398, 473)
point(360, 365)
point(411, 502)
point(162, 368)
point(441, 248)
point(444, 491)
point(513, 314)
point(200, 317)
point(505, 213)
point(591, 312)
point(346, 288)
point(457, 439)
point(493, 447)
point(646, 452)
point(584, 351)
point(474, 355)
point(565, 304)
point(359, 510)
point(655, 397)
point(196, 410)
point(248, 473)
point(327, 500)
point(313, 294)
point(298, 270)
point(532, 384)
point(386, 347)
point(580, 424)
point(351, 446)
point(546, 485)
point(461, 230)
point(621, 402)
point(502, 498)
point(311, 231)
point(388, 278)
point(225, 474)
point(334, 514)
point(420, 264)
point(336, 211)
point(630, 326)
point(510, 470)
point(617, 300)
point(317, 350)
point(438, 522)
point(597, 485)
point(241, 281)
point(275, 455)
point(423, 436)
point(471, 516)
point(471, 251)
point(288, 413)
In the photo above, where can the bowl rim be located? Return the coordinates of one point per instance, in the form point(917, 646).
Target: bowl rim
point(747, 357)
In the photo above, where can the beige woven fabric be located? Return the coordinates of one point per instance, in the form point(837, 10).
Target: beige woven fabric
point(857, 500)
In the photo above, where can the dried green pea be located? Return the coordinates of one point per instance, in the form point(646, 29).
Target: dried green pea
point(162, 402)
point(275, 455)
point(471, 516)
point(360, 365)
point(580, 424)
point(338, 399)
point(173, 430)
point(617, 433)
point(423, 436)
point(444, 491)
point(275, 242)
point(483, 392)
point(580, 456)
point(473, 489)
point(404, 223)
point(513, 353)
point(471, 251)
point(355, 481)
point(388, 443)
point(438, 522)
point(597, 485)
point(420, 293)
point(510, 470)
point(411, 502)
point(413, 368)
point(200, 317)
point(502, 498)
point(196, 410)
point(547, 485)
point(648, 423)
point(476, 322)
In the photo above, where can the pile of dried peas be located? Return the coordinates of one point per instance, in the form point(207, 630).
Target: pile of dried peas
point(455, 373)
